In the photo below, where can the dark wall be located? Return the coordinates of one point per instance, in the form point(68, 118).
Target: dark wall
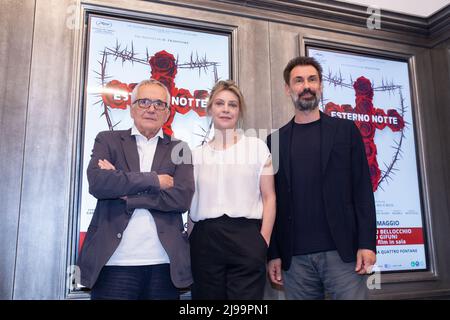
point(440, 59)
point(41, 45)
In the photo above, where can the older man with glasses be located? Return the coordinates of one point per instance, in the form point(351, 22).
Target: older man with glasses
point(136, 246)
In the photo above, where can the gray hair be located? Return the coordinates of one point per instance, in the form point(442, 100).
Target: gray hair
point(146, 83)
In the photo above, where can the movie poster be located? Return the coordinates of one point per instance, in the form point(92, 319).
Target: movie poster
point(375, 94)
point(120, 54)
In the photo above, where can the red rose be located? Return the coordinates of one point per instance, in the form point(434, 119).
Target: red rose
point(379, 123)
point(163, 64)
point(363, 87)
point(182, 100)
point(375, 174)
point(347, 108)
point(201, 94)
point(371, 149)
point(167, 81)
point(364, 105)
point(131, 86)
point(400, 122)
point(167, 127)
point(367, 129)
point(199, 104)
point(330, 107)
point(116, 95)
point(130, 89)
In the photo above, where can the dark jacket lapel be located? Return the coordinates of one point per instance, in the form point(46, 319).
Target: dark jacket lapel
point(162, 148)
point(327, 133)
point(130, 150)
point(285, 150)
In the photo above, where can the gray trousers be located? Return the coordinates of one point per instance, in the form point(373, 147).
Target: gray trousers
point(311, 276)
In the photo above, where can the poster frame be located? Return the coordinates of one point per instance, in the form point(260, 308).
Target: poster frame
point(85, 11)
point(354, 48)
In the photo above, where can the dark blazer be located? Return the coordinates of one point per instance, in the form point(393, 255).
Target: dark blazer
point(112, 214)
point(347, 190)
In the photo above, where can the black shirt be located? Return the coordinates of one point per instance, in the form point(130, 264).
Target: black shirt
point(311, 230)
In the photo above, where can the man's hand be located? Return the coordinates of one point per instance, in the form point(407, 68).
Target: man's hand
point(365, 259)
point(105, 165)
point(165, 181)
point(274, 270)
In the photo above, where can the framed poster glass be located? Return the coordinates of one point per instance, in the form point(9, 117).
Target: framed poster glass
point(121, 52)
point(375, 93)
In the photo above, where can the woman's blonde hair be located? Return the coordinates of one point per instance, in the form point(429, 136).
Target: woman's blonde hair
point(229, 85)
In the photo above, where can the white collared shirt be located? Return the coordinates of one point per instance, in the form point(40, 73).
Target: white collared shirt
point(140, 244)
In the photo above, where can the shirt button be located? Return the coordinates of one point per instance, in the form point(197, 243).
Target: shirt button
point(119, 235)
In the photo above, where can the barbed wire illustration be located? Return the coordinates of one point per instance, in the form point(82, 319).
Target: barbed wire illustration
point(128, 54)
point(336, 79)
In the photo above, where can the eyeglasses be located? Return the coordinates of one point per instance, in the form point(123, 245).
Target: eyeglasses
point(146, 103)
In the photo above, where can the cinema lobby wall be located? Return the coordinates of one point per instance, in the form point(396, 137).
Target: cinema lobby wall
point(41, 56)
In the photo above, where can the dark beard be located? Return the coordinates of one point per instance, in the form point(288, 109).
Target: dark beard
point(306, 105)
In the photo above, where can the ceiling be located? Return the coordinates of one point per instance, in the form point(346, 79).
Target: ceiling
point(418, 8)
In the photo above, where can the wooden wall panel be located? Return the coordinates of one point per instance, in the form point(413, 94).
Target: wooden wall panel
point(284, 45)
point(38, 60)
point(16, 32)
point(42, 238)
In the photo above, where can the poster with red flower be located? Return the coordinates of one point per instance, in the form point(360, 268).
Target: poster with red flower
point(375, 94)
point(120, 54)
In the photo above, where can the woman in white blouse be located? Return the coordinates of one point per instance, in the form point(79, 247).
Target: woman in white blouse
point(233, 207)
